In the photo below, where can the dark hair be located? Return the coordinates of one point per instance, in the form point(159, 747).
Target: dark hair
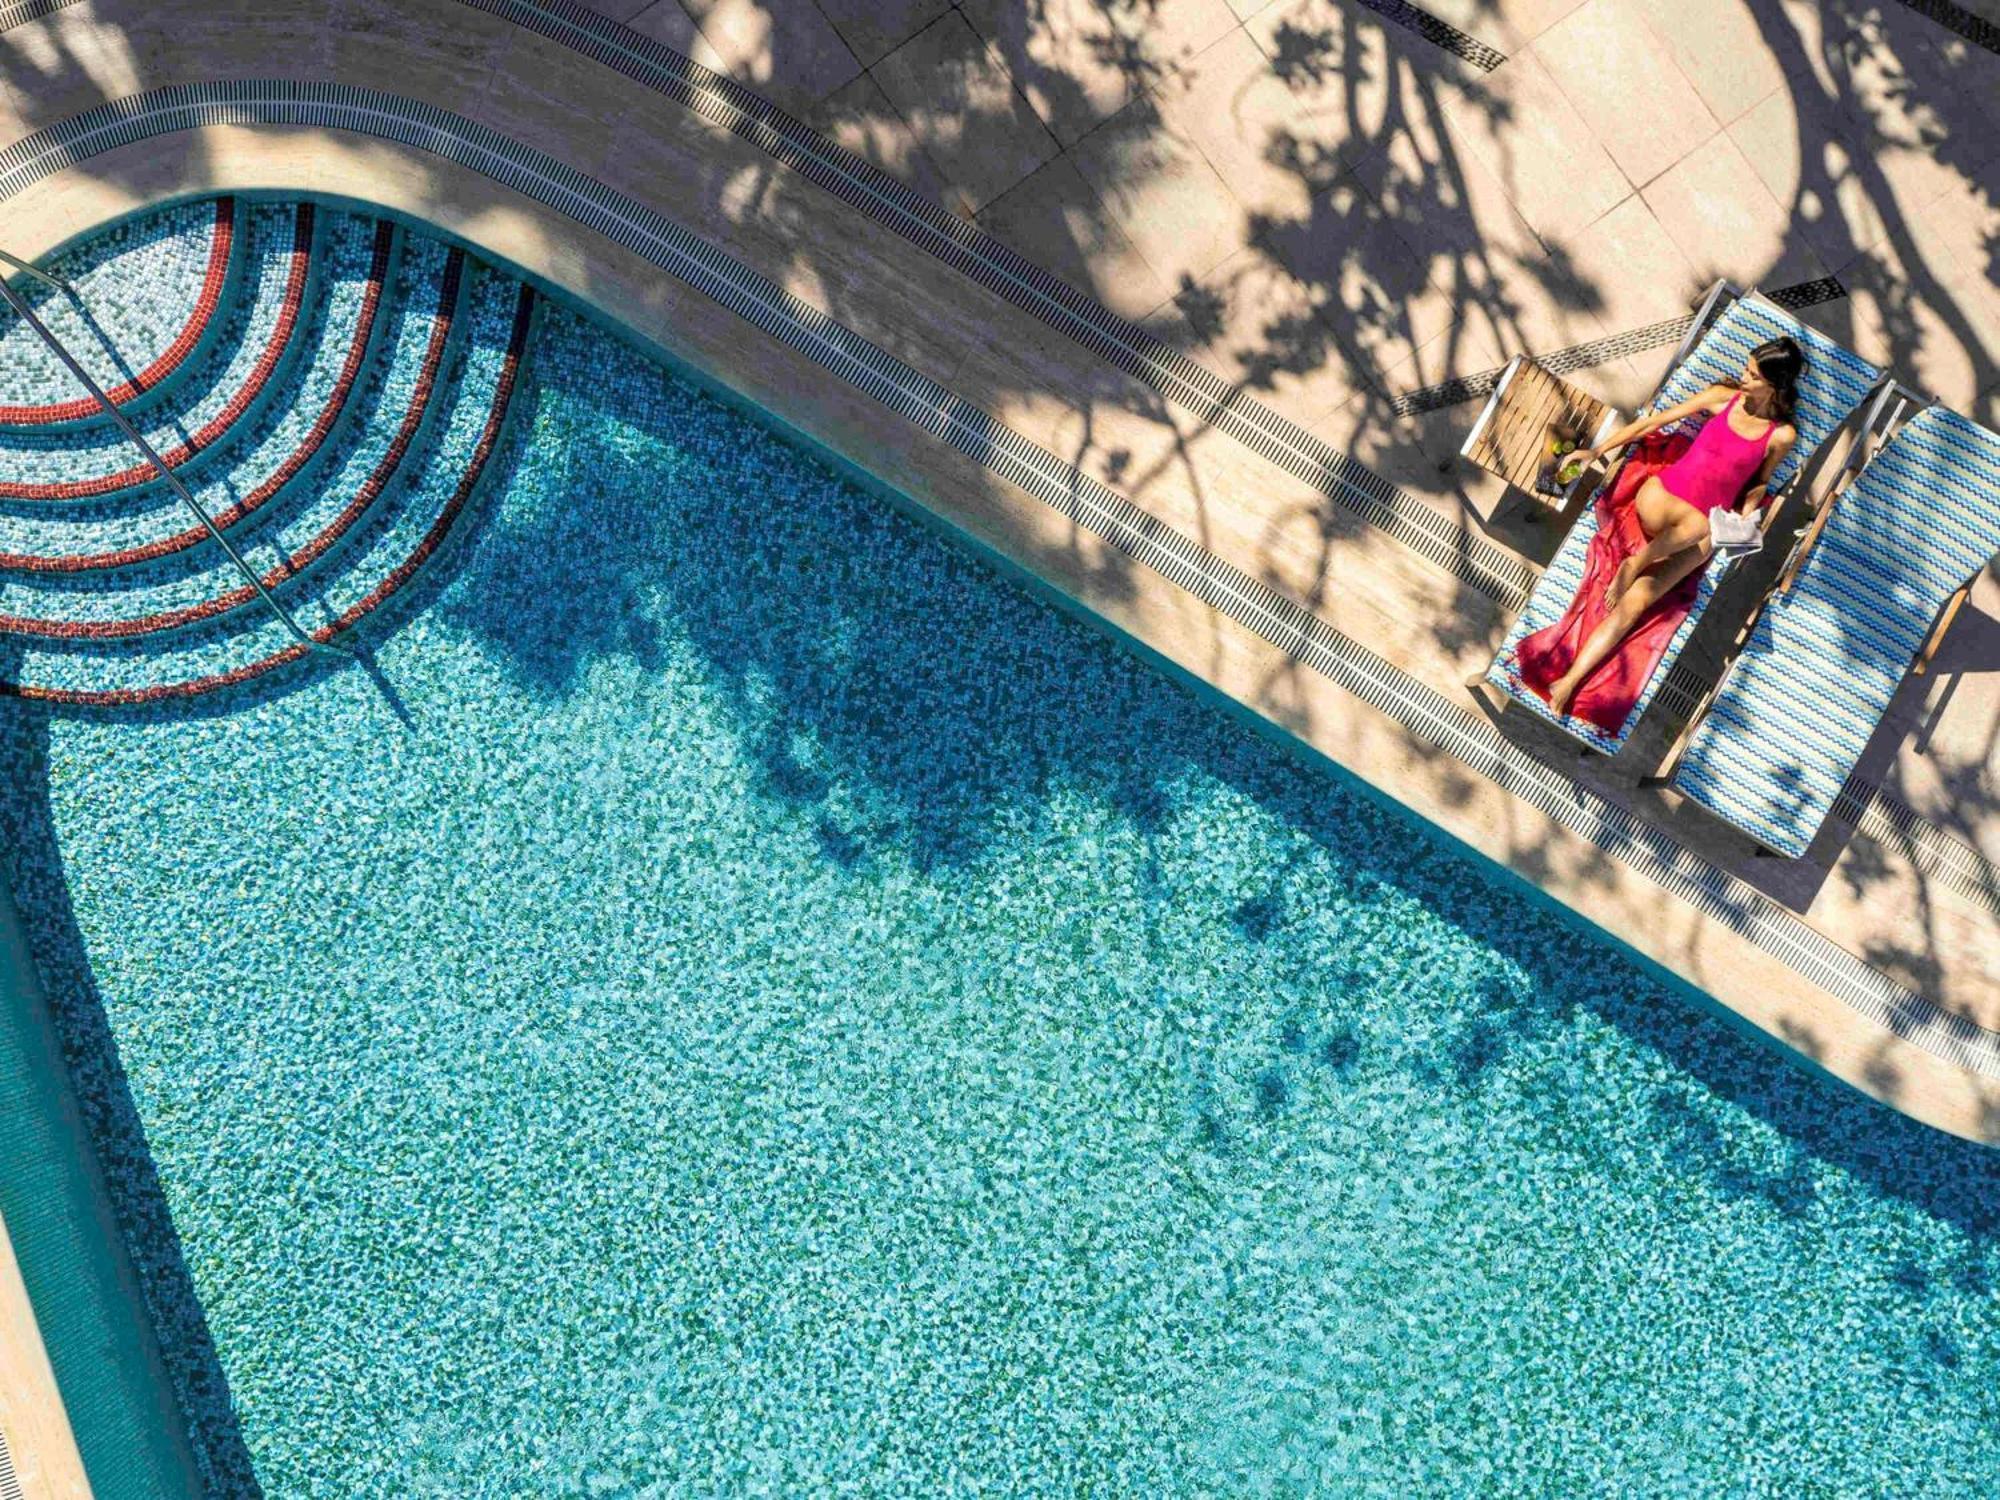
point(1781, 362)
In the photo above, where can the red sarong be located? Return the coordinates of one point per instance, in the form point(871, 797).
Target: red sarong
point(1606, 697)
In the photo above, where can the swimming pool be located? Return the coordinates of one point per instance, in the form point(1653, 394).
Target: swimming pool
point(736, 995)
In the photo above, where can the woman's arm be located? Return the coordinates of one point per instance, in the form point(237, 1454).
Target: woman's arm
point(1710, 400)
point(1759, 492)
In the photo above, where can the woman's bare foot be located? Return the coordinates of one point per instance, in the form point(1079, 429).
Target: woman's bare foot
point(1620, 582)
point(1560, 692)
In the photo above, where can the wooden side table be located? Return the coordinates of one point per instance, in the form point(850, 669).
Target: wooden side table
point(1511, 437)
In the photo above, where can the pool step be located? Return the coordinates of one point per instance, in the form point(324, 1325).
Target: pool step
point(333, 570)
point(201, 583)
point(187, 258)
point(211, 406)
point(319, 418)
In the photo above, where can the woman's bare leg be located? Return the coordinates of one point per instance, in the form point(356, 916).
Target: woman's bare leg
point(1614, 627)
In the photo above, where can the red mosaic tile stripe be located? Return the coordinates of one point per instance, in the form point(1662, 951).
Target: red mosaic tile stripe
point(364, 496)
point(221, 242)
point(224, 420)
point(354, 613)
point(322, 428)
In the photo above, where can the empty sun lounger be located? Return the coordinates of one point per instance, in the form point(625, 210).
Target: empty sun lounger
point(1877, 586)
point(1836, 382)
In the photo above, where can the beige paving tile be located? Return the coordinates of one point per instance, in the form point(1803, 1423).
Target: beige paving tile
point(1956, 228)
point(1081, 61)
point(1524, 130)
point(1261, 328)
point(1527, 19)
point(1631, 269)
point(1973, 73)
point(1056, 219)
point(1420, 455)
point(860, 117)
point(1888, 67)
point(617, 10)
point(1375, 294)
point(1445, 201)
point(1848, 186)
point(873, 29)
point(1162, 192)
point(1938, 327)
point(785, 51)
point(1802, 148)
point(1354, 82)
point(1257, 132)
point(62, 64)
point(1475, 343)
point(544, 95)
point(1625, 86)
point(1722, 47)
point(1725, 221)
point(962, 106)
point(666, 23)
point(379, 44)
point(1456, 217)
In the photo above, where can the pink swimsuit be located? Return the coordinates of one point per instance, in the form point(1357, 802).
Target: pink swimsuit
point(1719, 465)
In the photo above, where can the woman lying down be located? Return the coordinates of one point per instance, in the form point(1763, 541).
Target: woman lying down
point(1653, 537)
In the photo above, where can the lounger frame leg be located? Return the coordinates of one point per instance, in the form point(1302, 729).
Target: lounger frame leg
point(1922, 666)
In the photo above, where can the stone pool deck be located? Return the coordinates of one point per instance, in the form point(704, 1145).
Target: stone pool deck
point(1349, 220)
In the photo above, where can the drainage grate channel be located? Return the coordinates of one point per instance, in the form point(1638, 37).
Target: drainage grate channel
point(1441, 32)
point(1285, 623)
point(1886, 818)
point(19, 15)
point(1975, 29)
point(10, 1482)
point(1598, 351)
point(1492, 570)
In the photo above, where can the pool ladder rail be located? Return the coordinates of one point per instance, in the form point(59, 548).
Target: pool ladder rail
point(56, 346)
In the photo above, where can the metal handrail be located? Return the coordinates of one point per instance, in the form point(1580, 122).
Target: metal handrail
point(37, 272)
point(27, 314)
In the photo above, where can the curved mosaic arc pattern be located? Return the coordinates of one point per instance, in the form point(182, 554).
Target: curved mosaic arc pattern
point(231, 595)
point(221, 247)
point(447, 489)
point(220, 426)
point(254, 499)
point(1284, 622)
point(392, 584)
point(289, 569)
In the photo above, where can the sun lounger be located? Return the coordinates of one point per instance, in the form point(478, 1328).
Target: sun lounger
point(1876, 585)
point(1730, 325)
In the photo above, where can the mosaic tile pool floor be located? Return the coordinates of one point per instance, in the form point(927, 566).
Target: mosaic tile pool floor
point(737, 999)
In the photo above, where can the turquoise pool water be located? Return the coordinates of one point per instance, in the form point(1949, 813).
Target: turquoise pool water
point(739, 999)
